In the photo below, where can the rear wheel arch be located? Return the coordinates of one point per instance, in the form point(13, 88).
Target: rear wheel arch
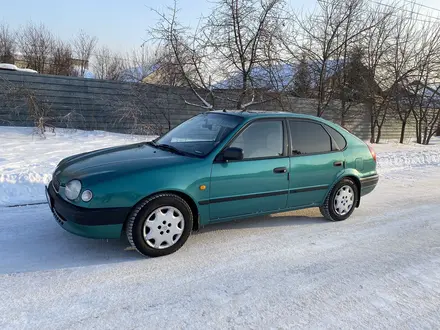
point(358, 185)
point(341, 194)
point(353, 178)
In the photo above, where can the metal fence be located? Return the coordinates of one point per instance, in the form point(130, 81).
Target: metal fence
point(91, 104)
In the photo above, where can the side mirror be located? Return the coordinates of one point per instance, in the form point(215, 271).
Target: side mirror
point(233, 153)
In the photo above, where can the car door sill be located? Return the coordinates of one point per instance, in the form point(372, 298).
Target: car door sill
point(256, 214)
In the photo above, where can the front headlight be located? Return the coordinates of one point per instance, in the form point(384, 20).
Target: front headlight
point(73, 188)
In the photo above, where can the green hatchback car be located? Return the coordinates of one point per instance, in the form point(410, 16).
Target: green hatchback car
point(217, 166)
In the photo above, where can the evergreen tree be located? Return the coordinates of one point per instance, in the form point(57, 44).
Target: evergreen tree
point(302, 79)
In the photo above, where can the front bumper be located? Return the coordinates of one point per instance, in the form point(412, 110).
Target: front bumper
point(93, 223)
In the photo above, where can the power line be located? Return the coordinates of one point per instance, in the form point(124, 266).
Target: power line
point(411, 12)
point(400, 9)
point(422, 5)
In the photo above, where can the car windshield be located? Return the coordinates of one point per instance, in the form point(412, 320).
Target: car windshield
point(199, 135)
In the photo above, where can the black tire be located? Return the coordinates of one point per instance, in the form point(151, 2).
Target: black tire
point(138, 216)
point(328, 209)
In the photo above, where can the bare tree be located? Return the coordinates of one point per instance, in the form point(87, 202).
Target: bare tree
point(326, 37)
point(18, 97)
point(183, 57)
point(402, 63)
point(36, 44)
point(377, 48)
point(108, 65)
point(236, 30)
point(175, 68)
point(397, 57)
point(7, 44)
point(272, 73)
point(227, 44)
point(427, 112)
point(139, 64)
point(83, 47)
point(349, 54)
point(61, 59)
point(352, 82)
point(144, 111)
point(423, 89)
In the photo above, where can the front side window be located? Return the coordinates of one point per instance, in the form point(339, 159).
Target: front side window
point(201, 134)
point(261, 139)
point(309, 138)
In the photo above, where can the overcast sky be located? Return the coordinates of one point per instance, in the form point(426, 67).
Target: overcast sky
point(119, 24)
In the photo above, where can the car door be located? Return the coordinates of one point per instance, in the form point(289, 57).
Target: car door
point(316, 159)
point(259, 182)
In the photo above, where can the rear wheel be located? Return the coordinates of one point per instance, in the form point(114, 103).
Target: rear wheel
point(159, 225)
point(341, 201)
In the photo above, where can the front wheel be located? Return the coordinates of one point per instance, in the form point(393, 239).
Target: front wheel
point(160, 225)
point(341, 201)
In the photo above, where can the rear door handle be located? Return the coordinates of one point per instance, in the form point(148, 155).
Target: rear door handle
point(280, 170)
point(338, 163)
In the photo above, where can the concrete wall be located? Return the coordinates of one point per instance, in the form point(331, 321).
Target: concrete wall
point(137, 108)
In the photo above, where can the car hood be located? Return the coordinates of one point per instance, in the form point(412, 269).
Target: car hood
point(116, 161)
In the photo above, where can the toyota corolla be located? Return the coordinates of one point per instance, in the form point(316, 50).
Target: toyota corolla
point(215, 167)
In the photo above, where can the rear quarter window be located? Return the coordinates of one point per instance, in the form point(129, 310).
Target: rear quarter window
point(339, 142)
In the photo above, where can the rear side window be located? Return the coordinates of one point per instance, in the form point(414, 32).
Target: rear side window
point(339, 142)
point(309, 138)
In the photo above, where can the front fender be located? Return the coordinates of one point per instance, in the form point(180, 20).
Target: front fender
point(128, 190)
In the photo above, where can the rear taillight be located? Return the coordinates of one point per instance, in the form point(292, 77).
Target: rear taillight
point(373, 153)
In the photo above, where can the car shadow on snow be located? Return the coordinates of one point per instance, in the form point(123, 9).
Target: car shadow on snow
point(41, 245)
point(31, 240)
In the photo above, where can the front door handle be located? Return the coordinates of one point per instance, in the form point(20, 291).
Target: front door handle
point(280, 170)
point(338, 163)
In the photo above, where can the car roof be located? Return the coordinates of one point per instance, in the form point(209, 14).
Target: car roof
point(252, 114)
point(265, 114)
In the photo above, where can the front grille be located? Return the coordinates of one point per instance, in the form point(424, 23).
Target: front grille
point(56, 184)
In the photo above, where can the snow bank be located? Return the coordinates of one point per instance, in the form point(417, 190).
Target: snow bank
point(392, 156)
point(27, 160)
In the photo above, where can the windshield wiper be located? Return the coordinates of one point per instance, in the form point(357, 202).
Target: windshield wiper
point(171, 148)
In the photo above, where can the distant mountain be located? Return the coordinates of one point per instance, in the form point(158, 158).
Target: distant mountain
point(277, 77)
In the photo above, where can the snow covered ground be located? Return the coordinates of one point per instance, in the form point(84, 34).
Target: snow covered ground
point(379, 269)
point(394, 156)
point(27, 160)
